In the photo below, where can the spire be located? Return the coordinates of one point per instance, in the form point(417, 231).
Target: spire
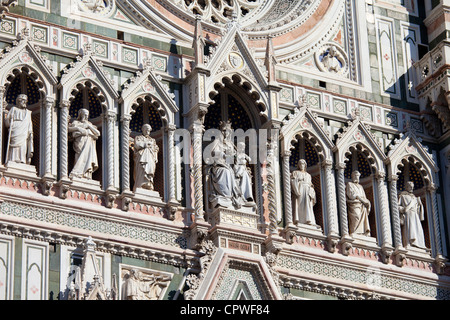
point(199, 41)
point(270, 60)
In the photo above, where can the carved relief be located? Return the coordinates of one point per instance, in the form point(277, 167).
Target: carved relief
point(143, 284)
point(332, 59)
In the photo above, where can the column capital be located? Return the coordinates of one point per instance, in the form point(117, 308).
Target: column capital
point(432, 187)
point(393, 177)
point(380, 176)
point(125, 118)
point(64, 104)
point(286, 154)
point(341, 166)
point(110, 116)
point(327, 164)
point(49, 102)
point(170, 127)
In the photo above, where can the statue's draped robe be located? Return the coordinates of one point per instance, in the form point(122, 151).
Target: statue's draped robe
point(304, 197)
point(358, 213)
point(223, 185)
point(145, 160)
point(414, 213)
point(20, 146)
point(86, 161)
point(243, 176)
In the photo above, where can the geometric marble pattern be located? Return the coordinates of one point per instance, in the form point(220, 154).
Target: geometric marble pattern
point(68, 219)
point(334, 271)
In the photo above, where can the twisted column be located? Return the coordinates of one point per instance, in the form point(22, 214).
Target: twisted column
point(330, 198)
point(272, 196)
point(110, 120)
point(64, 136)
point(126, 119)
point(2, 102)
point(171, 157)
point(197, 167)
point(395, 213)
point(342, 199)
point(48, 105)
point(434, 205)
point(383, 208)
point(287, 188)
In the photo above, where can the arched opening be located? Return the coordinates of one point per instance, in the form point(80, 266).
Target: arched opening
point(231, 104)
point(359, 159)
point(25, 81)
point(305, 147)
point(146, 110)
point(89, 97)
point(410, 170)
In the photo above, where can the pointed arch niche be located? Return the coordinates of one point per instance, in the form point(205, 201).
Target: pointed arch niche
point(85, 84)
point(233, 101)
point(359, 150)
point(303, 137)
point(23, 70)
point(409, 160)
point(147, 100)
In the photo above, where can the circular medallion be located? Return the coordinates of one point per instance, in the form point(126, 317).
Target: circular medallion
point(147, 87)
point(25, 57)
point(235, 60)
point(88, 72)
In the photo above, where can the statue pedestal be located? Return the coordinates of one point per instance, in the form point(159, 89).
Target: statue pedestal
point(245, 217)
point(144, 195)
point(21, 170)
point(83, 184)
point(418, 253)
point(310, 231)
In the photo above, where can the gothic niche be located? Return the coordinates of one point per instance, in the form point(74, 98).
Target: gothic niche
point(147, 147)
point(22, 122)
point(85, 153)
point(412, 202)
point(305, 181)
point(362, 220)
point(230, 176)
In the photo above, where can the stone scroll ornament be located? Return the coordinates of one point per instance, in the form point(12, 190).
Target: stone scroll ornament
point(358, 207)
point(84, 136)
point(19, 123)
point(411, 214)
point(145, 159)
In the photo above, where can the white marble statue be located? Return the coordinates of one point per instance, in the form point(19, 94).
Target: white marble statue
point(330, 61)
point(411, 213)
point(145, 159)
point(94, 5)
point(20, 127)
point(304, 195)
point(358, 207)
point(242, 173)
point(140, 286)
point(84, 135)
point(224, 189)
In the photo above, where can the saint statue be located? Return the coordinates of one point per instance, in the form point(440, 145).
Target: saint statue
point(224, 189)
point(411, 213)
point(358, 207)
point(139, 286)
point(20, 140)
point(84, 135)
point(242, 173)
point(145, 159)
point(330, 61)
point(304, 195)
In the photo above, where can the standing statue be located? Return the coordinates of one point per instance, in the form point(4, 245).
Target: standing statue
point(224, 189)
point(411, 213)
point(84, 135)
point(145, 159)
point(20, 140)
point(242, 173)
point(358, 207)
point(304, 195)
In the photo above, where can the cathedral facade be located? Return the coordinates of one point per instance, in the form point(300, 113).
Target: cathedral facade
point(224, 150)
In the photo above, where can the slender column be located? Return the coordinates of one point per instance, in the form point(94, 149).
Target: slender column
point(342, 199)
point(385, 230)
point(197, 136)
point(126, 119)
point(434, 206)
point(110, 121)
point(330, 198)
point(287, 188)
point(171, 157)
point(2, 109)
point(272, 196)
point(64, 136)
point(48, 105)
point(395, 213)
